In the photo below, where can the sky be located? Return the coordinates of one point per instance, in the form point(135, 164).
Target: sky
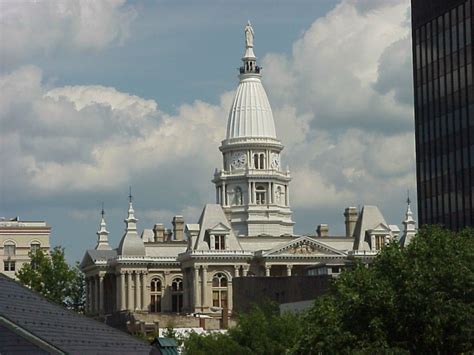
point(97, 96)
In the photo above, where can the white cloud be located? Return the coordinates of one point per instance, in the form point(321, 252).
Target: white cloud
point(40, 27)
point(85, 139)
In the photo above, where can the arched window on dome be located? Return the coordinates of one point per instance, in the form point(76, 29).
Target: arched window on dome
point(155, 295)
point(238, 196)
point(259, 160)
point(219, 290)
point(177, 295)
point(260, 194)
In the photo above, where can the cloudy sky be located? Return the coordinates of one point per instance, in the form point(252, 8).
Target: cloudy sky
point(100, 95)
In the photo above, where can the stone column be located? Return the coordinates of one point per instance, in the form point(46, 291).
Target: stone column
point(217, 195)
point(185, 290)
point(137, 290)
point(96, 294)
point(236, 270)
point(123, 297)
point(196, 288)
point(118, 293)
point(87, 294)
point(288, 270)
point(254, 196)
point(204, 286)
point(101, 294)
point(267, 269)
point(249, 193)
point(130, 303)
point(245, 270)
point(272, 193)
point(224, 202)
point(144, 297)
point(287, 195)
point(212, 241)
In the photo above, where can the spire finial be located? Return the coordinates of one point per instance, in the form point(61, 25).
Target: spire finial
point(408, 197)
point(102, 212)
point(130, 197)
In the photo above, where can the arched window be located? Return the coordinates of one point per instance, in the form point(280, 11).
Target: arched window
point(34, 247)
point(9, 249)
point(260, 195)
point(255, 161)
point(262, 161)
point(177, 295)
point(219, 290)
point(155, 295)
point(237, 196)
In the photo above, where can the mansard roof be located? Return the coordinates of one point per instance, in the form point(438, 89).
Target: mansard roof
point(57, 330)
point(213, 216)
point(370, 218)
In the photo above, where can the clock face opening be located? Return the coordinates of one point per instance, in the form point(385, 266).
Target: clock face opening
point(239, 160)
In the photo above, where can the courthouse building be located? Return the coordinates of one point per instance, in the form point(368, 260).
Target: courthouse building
point(247, 232)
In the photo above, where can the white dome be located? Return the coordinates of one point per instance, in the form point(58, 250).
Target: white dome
point(250, 114)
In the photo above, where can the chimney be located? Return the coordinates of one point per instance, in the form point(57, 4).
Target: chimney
point(159, 233)
point(167, 235)
point(178, 228)
point(322, 230)
point(350, 215)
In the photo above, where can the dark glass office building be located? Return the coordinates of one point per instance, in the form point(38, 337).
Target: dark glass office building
point(444, 111)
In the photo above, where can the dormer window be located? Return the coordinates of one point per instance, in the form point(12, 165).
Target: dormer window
point(379, 242)
point(219, 242)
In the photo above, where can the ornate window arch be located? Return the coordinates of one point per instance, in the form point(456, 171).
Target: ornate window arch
point(177, 294)
point(220, 283)
point(35, 246)
point(155, 294)
point(9, 248)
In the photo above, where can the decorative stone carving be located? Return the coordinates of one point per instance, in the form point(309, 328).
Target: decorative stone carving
point(303, 248)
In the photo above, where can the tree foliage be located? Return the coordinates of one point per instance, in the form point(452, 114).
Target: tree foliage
point(51, 276)
point(418, 299)
point(261, 331)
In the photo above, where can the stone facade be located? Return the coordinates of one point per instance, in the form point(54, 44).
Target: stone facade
point(17, 239)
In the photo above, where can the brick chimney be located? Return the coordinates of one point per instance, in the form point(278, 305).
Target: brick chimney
point(178, 228)
point(159, 233)
point(351, 216)
point(322, 230)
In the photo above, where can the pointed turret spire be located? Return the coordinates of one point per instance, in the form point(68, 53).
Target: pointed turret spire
point(409, 230)
point(103, 234)
point(131, 243)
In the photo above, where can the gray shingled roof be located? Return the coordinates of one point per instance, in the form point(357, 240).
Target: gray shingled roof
point(62, 329)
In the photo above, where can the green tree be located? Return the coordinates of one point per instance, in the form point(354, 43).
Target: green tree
point(51, 276)
point(418, 299)
point(260, 331)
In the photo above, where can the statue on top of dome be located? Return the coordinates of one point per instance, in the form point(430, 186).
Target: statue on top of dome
point(249, 35)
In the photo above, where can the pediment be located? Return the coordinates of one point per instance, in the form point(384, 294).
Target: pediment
point(220, 227)
point(380, 228)
point(304, 246)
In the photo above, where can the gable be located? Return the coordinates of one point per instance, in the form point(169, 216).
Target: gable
point(303, 246)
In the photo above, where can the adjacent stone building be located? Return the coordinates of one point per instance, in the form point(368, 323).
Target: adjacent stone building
point(19, 238)
point(248, 232)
